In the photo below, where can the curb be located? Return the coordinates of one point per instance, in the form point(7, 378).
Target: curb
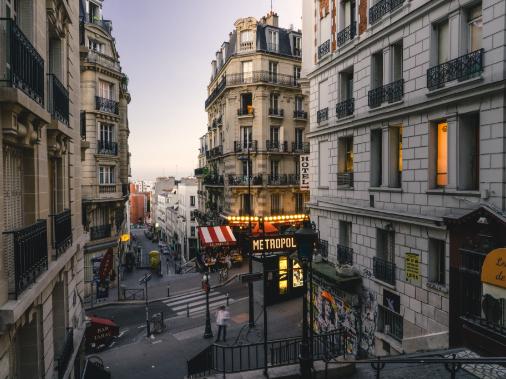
point(140, 302)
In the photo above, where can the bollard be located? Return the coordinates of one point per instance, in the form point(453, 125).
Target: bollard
point(187, 309)
point(228, 297)
point(168, 290)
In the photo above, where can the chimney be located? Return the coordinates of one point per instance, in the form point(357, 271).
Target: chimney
point(272, 19)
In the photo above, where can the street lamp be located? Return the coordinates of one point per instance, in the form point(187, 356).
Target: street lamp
point(144, 280)
point(306, 239)
point(208, 333)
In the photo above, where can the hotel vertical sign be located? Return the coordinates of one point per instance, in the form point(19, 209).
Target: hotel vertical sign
point(304, 172)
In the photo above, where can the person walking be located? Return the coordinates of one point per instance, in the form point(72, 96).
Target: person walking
point(222, 317)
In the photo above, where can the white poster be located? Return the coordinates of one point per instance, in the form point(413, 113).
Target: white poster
point(304, 172)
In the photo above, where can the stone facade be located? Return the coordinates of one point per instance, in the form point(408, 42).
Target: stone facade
point(41, 282)
point(414, 133)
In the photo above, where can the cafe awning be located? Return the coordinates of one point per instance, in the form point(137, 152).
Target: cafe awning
point(216, 236)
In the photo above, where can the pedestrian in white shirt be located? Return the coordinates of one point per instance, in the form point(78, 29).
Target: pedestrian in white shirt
point(222, 317)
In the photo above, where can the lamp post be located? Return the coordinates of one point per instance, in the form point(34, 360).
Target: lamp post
point(306, 242)
point(208, 333)
point(144, 280)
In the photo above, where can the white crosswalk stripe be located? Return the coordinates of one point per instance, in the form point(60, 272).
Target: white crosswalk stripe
point(196, 301)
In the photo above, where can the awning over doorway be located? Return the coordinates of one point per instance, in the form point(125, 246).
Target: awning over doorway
point(216, 236)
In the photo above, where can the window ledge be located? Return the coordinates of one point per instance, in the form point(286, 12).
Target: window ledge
point(345, 118)
point(345, 187)
point(453, 192)
point(385, 189)
point(386, 105)
point(322, 124)
point(384, 284)
point(347, 44)
point(438, 287)
point(452, 85)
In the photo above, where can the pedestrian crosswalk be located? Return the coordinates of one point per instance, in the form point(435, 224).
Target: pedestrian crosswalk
point(196, 302)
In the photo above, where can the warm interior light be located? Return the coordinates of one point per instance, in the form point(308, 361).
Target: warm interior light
point(283, 275)
point(442, 154)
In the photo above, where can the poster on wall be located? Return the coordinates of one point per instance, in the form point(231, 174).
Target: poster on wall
point(304, 172)
point(412, 267)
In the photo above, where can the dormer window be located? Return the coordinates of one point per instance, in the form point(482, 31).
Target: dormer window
point(94, 12)
point(272, 40)
point(297, 46)
point(96, 46)
point(246, 40)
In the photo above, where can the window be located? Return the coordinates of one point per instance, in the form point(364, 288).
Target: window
point(283, 275)
point(299, 202)
point(12, 10)
point(245, 203)
point(296, 74)
point(396, 147)
point(273, 72)
point(274, 100)
point(192, 201)
point(106, 175)
point(247, 136)
point(468, 152)
point(246, 104)
point(272, 40)
point(299, 138)
point(385, 245)
point(377, 69)
point(396, 61)
point(247, 167)
point(349, 12)
point(299, 104)
point(441, 154)
point(347, 84)
point(192, 231)
point(297, 46)
point(274, 168)
point(276, 203)
point(345, 161)
point(323, 163)
point(475, 28)
point(437, 257)
point(376, 160)
point(323, 95)
point(442, 38)
point(275, 136)
point(106, 132)
point(247, 71)
point(96, 46)
point(105, 90)
point(325, 29)
point(246, 40)
point(94, 12)
point(345, 233)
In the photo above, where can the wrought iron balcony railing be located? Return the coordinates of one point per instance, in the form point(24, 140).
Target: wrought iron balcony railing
point(300, 147)
point(276, 112)
point(345, 179)
point(283, 180)
point(323, 248)
point(347, 34)
point(216, 92)
point(108, 188)
point(58, 103)
point(21, 66)
point(214, 180)
point(26, 257)
point(323, 49)
point(276, 146)
point(107, 147)
point(100, 232)
point(344, 255)
point(200, 171)
point(322, 115)
point(345, 108)
point(390, 323)
point(250, 111)
point(106, 105)
point(381, 8)
point(103, 60)
point(301, 115)
point(63, 359)
point(62, 232)
point(242, 180)
point(242, 146)
point(461, 68)
point(384, 270)
point(216, 152)
point(390, 93)
point(104, 24)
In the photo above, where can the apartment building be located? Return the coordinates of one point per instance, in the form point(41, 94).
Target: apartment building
point(162, 185)
point(407, 170)
point(41, 237)
point(104, 135)
point(257, 124)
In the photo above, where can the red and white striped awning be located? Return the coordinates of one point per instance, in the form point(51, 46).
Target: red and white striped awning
point(216, 236)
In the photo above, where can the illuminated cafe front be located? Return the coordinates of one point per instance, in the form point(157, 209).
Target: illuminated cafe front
point(478, 281)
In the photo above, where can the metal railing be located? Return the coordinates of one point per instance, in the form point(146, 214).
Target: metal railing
point(300, 147)
point(242, 180)
point(323, 248)
point(58, 104)
point(215, 152)
point(276, 146)
point(21, 65)
point(345, 179)
point(241, 146)
point(344, 255)
point(250, 111)
point(63, 359)
point(103, 60)
point(381, 8)
point(216, 180)
point(104, 24)
point(108, 188)
point(200, 171)
point(390, 323)
point(216, 92)
point(345, 108)
point(62, 231)
point(276, 112)
point(461, 68)
point(347, 34)
point(106, 105)
point(99, 232)
point(390, 93)
point(298, 114)
point(283, 180)
point(324, 49)
point(28, 258)
point(107, 147)
point(322, 115)
point(384, 270)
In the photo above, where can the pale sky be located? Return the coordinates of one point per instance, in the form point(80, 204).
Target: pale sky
point(166, 48)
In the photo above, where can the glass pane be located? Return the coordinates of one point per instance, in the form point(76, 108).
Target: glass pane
point(442, 154)
point(283, 275)
point(442, 43)
point(297, 277)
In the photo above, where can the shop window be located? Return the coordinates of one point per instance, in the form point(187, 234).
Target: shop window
point(437, 262)
point(283, 275)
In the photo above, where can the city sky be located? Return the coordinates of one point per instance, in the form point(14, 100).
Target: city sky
point(166, 48)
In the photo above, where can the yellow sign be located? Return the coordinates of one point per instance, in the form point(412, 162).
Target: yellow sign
point(412, 262)
point(125, 237)
point(493, 270)
point(270, 244)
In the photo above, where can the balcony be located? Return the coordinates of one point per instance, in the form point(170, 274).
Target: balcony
point(214, 180)
point(23, 67)
point(344, 255)
point(62, 232)
point(283, 180)
point(322, 115)
point(108, 188)
point(384, 270)
point(347, 34)
point(388, 93)
point(246, 46)
point(300, 147)
point(345, 179)
point(28, 258)
point(100, 232)
point(103, 60)
point(106, 105)
point(246, 112)
point(390, 323)
point(323, 248)
point(107, 148)
point(242, 146)
point(215, 152)
point(276, 146)
point(345, 108)
point(461, 68)
point(242, 180)
point(58, 99)
point(275, 112)
point(63, 359)
point(381, 8)
point(299, 115)
point(323, 49)
point(200, 171)
point(267, 77)
point(95, 20)
point(216, 92)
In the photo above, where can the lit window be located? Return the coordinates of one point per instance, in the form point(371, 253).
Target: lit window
point(442, 155)
point(283, 275)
